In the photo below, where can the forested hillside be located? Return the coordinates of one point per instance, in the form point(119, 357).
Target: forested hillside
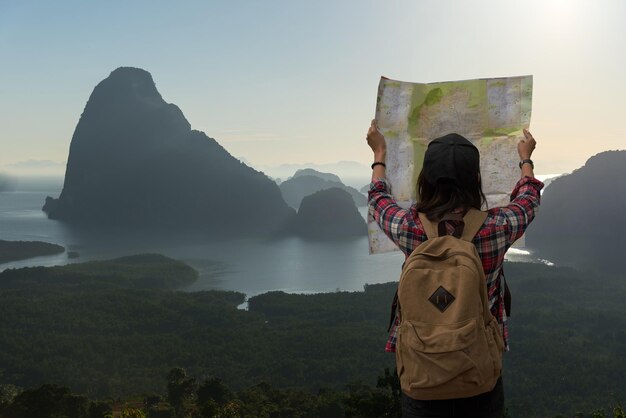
point(117, 337)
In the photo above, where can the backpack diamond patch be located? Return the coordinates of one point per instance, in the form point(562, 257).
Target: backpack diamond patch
point(441, 299)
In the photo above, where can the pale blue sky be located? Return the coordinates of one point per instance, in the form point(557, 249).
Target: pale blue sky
point(295, 81)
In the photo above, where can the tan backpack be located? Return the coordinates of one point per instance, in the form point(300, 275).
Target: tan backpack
point(449, 344)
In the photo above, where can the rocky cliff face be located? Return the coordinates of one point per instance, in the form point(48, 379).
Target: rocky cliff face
point(135, 161)
point(329, 214)
point(581, 220)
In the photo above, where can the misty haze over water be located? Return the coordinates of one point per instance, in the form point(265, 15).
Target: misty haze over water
point(251, 266)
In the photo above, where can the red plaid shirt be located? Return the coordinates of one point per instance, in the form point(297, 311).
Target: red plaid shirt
point(501, 229)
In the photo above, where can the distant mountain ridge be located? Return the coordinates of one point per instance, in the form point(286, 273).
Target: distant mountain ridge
point(311, 172)
point(351, 172)
point(134, 161)
point(35, 168)
point(581, 219)
point(305, 182)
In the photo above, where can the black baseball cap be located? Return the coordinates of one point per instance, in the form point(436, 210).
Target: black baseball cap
point(450, 157)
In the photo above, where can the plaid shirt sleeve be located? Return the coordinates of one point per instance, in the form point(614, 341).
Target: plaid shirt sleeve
point(518, 214)
point(393, 220)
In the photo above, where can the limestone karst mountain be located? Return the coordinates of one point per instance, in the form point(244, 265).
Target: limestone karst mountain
point(581, 220)
point(329, 214)
point(134, 161)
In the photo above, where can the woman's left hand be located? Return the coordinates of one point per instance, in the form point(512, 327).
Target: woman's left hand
point(376, 140)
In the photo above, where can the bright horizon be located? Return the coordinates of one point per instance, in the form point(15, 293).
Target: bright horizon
point(296, 82)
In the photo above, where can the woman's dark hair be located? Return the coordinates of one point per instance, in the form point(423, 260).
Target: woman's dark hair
point(446, 195)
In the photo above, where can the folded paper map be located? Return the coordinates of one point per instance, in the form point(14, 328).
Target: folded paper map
point(490, 112)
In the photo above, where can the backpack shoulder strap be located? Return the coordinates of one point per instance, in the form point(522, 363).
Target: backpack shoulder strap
point(474, 220)
point(429, 227)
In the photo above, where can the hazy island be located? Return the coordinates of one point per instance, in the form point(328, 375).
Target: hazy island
point(135, 162)
point(329, 214)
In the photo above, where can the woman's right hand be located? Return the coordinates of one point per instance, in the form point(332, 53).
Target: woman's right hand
point(526, 146)
point(376, 140)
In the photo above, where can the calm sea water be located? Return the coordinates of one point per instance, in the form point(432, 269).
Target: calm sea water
point(251, 266)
